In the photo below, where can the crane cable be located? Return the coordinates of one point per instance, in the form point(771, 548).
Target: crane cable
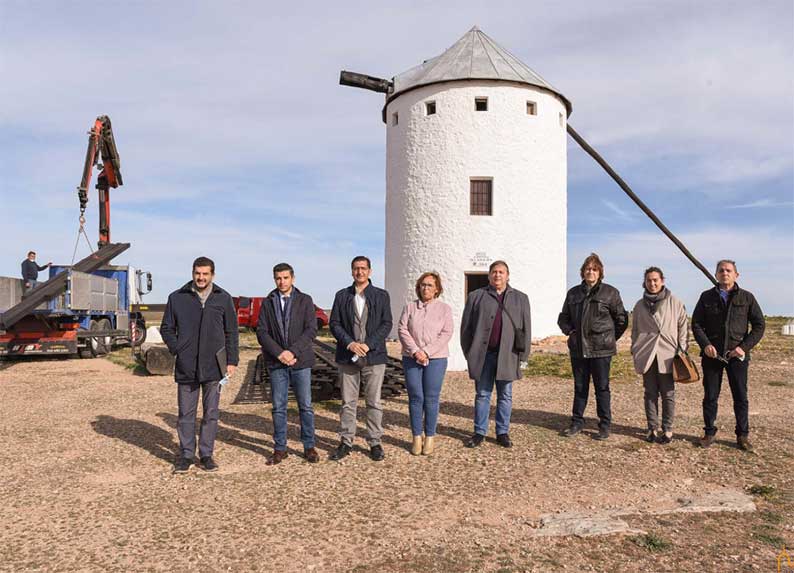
point(81, 231)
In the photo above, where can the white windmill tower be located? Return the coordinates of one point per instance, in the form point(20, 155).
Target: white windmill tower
point(475, 172)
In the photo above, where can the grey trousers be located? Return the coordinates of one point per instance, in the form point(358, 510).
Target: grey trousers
point(655, 384)
point(352, 378)
point(187, 399)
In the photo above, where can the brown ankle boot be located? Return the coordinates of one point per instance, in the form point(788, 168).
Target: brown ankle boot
point(744, 443)
point(707, 440)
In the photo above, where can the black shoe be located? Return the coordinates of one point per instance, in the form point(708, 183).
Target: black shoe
point(341, 452)
point(651, 437)
point(603, 434)
point(504, 440)
point(474, 441)
point(208, 464)
point(572, 430)
point(182, 465)
point(664, 439)
point(376, 453)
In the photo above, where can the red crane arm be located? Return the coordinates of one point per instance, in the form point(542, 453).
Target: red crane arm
point(101, 143)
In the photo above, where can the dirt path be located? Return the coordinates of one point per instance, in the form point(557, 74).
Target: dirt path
point(88, 483)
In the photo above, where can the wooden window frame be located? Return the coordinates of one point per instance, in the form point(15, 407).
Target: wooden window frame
point(532, 107)
point(481, 197)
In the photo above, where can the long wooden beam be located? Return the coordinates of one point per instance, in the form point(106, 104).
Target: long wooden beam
point(633, 196)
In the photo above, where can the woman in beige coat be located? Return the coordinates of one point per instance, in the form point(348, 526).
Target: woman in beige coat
point(658, 330)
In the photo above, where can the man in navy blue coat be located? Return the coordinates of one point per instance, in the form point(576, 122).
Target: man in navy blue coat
point(200, 328)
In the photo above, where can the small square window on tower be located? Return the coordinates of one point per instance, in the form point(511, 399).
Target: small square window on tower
point(532, 108)
point(395, 118)
point(481, 197)
point(430, 108)
point(481, 103)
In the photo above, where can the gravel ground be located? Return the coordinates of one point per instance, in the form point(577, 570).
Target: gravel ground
point(88, 483)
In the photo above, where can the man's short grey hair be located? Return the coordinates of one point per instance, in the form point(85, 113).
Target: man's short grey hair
point(726, 261)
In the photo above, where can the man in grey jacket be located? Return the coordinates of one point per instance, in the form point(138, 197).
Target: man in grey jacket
point(495, 335)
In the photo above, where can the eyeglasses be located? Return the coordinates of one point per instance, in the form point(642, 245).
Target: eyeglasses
point(427, 285)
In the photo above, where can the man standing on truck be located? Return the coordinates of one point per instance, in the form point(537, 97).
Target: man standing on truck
point(30, 271)
point(286, 329)
point(200, 328)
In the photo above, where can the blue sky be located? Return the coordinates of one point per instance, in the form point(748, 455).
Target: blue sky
point(237, 141)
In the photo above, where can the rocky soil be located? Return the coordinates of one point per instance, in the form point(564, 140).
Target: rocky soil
point(87, 483)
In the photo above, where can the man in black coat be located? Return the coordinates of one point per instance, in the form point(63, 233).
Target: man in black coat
point(30, 271)
point(200, 327)
point(720, 324)
point(360, 321)
point(593, 318)
point(285, 330)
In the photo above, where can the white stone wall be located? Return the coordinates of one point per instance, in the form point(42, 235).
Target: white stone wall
point(430, 162)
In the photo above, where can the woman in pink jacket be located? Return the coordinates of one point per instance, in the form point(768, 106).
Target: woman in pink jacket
point(425, 330)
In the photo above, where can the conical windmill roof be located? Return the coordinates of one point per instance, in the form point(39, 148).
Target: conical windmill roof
point(474, 57)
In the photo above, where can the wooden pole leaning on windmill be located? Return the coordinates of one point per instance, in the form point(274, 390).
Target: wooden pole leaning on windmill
point(612, 173)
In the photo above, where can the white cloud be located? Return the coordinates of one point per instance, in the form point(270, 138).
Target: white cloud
point(762, 203)
point(763, 257)
point(621, 213)
point(239, 105)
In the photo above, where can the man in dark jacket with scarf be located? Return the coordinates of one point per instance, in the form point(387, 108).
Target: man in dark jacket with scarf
point(495, 335)
point(360, 321)
point(720, 324)
point(285, 330)
point(594, 319)
point(200, 327)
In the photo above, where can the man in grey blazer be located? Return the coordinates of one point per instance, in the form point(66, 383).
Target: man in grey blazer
point(495, 335)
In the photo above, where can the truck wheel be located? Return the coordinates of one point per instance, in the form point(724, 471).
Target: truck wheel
point(86, 351)
point(105, 341)
point(97, 344)
point(138, 328)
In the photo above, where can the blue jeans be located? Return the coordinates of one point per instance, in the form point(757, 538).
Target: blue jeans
point(424, 390)
point(280, 380)
point(482, 401)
